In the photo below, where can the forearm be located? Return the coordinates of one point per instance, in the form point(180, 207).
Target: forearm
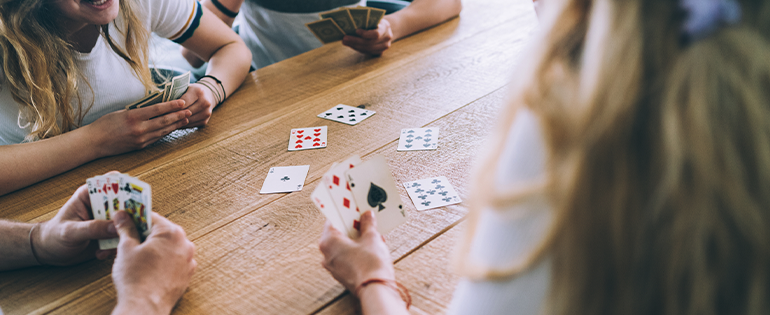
point(379, 299)
point(14, 245)
point(27, 163)
point(422, 14)
point(230, 64)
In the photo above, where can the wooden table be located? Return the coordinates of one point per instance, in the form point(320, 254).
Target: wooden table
point(258, 254)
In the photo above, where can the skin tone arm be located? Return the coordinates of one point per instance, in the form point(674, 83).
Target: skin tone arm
point(418, 16)
point(229, 60)
point(232, 5)
point(352, 262)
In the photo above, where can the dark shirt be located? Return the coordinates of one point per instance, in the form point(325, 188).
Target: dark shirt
point(302, 6)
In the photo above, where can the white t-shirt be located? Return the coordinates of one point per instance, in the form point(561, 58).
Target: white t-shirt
point(504, 236)
point(273, 36)
point(111, 78)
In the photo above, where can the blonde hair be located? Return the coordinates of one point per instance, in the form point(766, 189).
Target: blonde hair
point(39, 65)
point(658, 168)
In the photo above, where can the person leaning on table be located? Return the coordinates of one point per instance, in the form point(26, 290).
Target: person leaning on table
point(275, 30)
point(150, 276)
point(69, 68)
point(632, 173)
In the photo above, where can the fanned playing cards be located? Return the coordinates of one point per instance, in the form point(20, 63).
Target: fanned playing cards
point(111, 193)
point(432, 193)
point(170, 91)
point(334, 25)
point(352, 187)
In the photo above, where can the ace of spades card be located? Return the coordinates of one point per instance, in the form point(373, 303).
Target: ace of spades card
point(374, 189)
point(346, 114)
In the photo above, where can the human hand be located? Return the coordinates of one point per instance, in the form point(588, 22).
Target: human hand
point(352, 262)
point(202, 103)
point(128, 130)
point(69, 237)
point(372, 42)
point(150, 277)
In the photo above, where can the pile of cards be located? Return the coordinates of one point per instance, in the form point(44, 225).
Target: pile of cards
point(353, 187)
point(115, 192)
point(334, 25)
point(347, 114)
point(172, 90)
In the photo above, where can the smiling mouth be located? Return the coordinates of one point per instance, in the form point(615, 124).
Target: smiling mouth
point(96, 2)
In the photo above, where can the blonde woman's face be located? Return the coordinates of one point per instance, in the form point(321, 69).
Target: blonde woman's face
point(79, 13)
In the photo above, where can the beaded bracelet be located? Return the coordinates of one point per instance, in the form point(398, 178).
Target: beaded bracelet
point(223, 9)
point(218, 82)
point(31, 245)
point(402, 291)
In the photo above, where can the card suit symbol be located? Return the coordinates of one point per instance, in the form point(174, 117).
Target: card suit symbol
point(339, 108)
point(418, 138)
point(299, 141)
point(318, 201)
point(128, 188)
point(351, 166)
point(416, 185)
point(443, 193)
point(431, 191)
point(408, 146)
point(340, 116)
point(336, 180)
point(440, 187)
point(316, 139)
point(428, 135)
point(428, 130)
point(363, 114)
point(426, 145)
point(285, 178)
point(299, 136)
point(419, 190)
point(300, 131)
point(427, 140)
point(410, 131)
point(409, 141)
point(317, 130)
point(352, 119)
point(352, 115)
point(351, 111)
point(435, 181)
point(358, 210)
point(115, 187)
point(422, 197)
point(308, 138)
point(447, 199)
point(328, 114)
point(348, 185)
point(316, 134)
point(346, 203)
point(316, 144)
point(426, 203)
point(376, 197)
point(299, 146)
point(357, 225)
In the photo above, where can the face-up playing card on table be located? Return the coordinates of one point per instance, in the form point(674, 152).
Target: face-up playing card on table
point(285, 179)
point(413, 139)
point(339, 190)
point(346, 114)
point(432, 193)
point(307, 138)
point(374, 189)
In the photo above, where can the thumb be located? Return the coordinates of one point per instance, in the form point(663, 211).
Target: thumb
point(91, 230)
point(368, 223)
point(129, 237)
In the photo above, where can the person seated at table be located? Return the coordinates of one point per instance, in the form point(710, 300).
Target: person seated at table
point(149, 277)
point(275, 30)
point(630, 173)
point(71, 66)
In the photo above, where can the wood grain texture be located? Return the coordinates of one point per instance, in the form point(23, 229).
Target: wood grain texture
point(258, 253)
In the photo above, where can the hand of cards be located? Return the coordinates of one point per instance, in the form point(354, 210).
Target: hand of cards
point(353, 187)
point(172, 90)
point(111, 193)
point(334, 25)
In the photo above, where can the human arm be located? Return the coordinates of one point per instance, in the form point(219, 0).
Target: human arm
point(352, 262)
point(229, 61)
point(27, 163)
point(229, 5)
point(66, 239)
point(418, 16)
point(151, 276)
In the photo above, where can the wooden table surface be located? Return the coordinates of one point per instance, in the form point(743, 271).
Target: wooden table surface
point(258, 254)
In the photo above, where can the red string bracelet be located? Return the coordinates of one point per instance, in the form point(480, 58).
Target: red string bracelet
point(402, 291)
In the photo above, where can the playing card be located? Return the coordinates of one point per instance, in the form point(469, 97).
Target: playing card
point(285, 179)
point(346, 114)
point(326, 30)
point(375, 15)
point(337, 185)
point(360, 16)
point(343, 19)
point(323, 201)
point(152, 99)
point(413, 139)
point(307, 138)
point(138, 203)
point(432, 193)
point(99, 207)
point(179, 86)
point(374, 189)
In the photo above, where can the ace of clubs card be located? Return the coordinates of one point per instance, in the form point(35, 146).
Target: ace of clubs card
point(374, 189)
point(285, 179)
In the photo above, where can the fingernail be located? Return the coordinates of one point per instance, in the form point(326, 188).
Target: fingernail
point(120, 219)
point(111, 229)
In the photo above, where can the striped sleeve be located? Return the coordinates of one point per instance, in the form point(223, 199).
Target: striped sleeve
point(189, 28)
point(173, 19)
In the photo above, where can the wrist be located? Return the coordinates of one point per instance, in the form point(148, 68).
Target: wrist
point(149, 304)
point(94, 144)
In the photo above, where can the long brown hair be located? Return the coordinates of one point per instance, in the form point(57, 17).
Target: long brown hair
point(658, 170)
point(39, 65)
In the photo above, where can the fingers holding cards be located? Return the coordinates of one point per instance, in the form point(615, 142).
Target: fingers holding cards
point(115, 192)
point(307, 138)
point(334, 25)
